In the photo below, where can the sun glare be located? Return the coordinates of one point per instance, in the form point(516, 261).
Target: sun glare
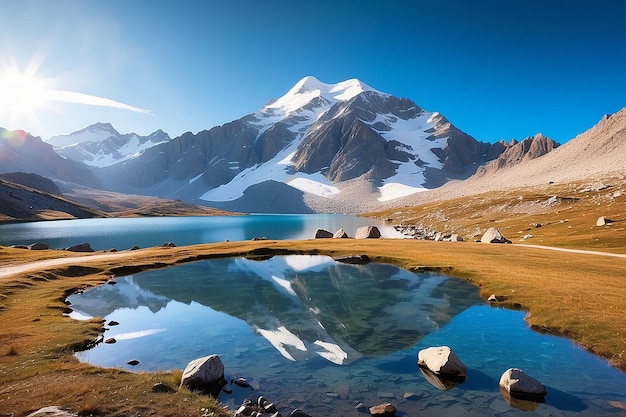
point(22, 94)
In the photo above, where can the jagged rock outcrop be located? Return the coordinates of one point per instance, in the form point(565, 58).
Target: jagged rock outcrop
point(518, 152)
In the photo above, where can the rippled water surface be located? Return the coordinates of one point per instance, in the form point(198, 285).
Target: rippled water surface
point(308, 332)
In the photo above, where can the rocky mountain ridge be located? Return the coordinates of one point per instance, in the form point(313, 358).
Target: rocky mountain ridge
point(101, 145)
point(321, 140)
point(518, 152)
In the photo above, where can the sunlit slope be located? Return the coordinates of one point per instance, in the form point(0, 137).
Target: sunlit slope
point(562, 215)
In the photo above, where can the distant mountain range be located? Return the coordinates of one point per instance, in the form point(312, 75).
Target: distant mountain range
point(101, 145)
point(342, 147)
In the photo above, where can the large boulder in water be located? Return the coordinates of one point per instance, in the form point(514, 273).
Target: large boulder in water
point(493, 235)
point(520, 385)
point(441, 360)
point(205, 375)
point(367, 232)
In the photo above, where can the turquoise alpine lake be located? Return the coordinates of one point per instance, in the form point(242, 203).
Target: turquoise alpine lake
point(124, 233)
point(333, 339)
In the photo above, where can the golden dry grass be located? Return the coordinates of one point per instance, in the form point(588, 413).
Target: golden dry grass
point(561, 215)
point(562, 293)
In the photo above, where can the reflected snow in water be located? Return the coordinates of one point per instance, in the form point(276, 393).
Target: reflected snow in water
point(323, 336)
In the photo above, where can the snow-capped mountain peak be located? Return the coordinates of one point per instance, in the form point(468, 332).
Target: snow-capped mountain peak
point(311, 90)
point(96, 132)
point(318, 147)
point(100, 144)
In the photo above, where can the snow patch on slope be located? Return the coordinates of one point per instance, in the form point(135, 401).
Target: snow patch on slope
point(415, 136)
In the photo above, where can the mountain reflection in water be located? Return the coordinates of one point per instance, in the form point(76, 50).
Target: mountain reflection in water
point(306, 331)
point(303, 305)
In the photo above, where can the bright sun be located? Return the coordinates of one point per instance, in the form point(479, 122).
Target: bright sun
point(22, 94)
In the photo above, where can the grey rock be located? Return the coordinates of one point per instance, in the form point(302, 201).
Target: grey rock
point(441, 360)
point(204, 374)
point(493, 235)
point(81, 247)
point(519, 384)
point(367, 232)
point(323, 234)
point(354, 259)
point(160, 387)
point(38, 246)
point(340, 234)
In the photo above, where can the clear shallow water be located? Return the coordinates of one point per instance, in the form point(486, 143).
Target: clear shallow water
point(311, 333)
point(104, 234)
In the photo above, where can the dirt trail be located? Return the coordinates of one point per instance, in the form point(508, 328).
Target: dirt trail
point(585, 252)
point(40, 265)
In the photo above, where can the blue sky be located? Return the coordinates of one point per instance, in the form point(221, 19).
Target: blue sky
point(496, 69)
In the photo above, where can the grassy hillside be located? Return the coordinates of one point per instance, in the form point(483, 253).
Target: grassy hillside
point(561, 215)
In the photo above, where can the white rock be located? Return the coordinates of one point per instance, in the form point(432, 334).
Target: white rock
point(204, 372)
point(603, 221)
point(516, 382)
point(367, 232)
point(53, 411)
point(493, 235)
point(441, 360)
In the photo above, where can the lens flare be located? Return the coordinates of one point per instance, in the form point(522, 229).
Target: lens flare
point(22, 94)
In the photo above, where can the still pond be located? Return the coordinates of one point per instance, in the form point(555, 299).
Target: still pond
point(310, 333)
